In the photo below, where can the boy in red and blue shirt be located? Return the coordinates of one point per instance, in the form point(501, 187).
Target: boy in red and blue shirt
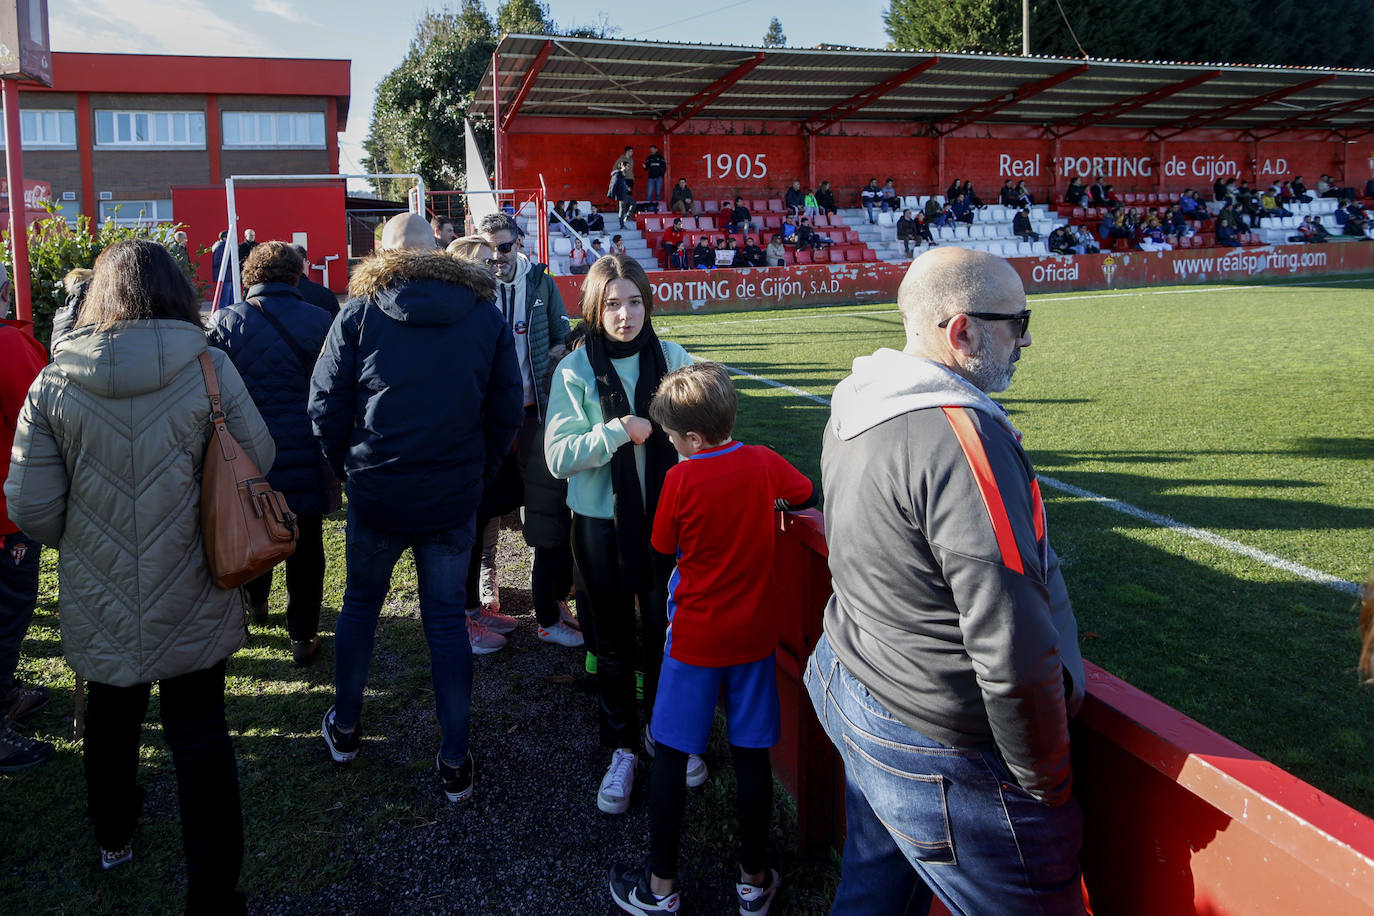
point(715, 513)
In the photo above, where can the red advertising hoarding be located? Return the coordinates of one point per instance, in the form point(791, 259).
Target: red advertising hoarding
point(728, 290)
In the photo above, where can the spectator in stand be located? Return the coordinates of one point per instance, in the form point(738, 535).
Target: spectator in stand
point(702, 255)
point(1270, 206)
point(595, 222)
point(752, 253)
point(273, 339)
point(723, 257)
point(674, 235)
point(733, 247)
point(868, 196)
point(106, 466)
point(681, 258)
point(1175, 223)
point(1299, 190)
point(888, 196)
point(955, 188)
point(962, 210)
point(825, 198)
point(1306, 231)
point(682, 199)
point(1097, 193)
point(1084, 242)
point(1356, 221)
point(1325, 188)
point(970, 197)
point(1007, 195)
point(1369, 188)
point(618, 244)
point(776, 255)
point(1023, 196)
point(1114, 227)
point(577, 258)
point(1059, 241)
point(626, 163)
point(1074, 193)
point(558, 216)
point(443, 231)
point(793, 199)
point(1228, 226)
point(934, 212)
point(789, 229)
point(313, 292)
point(1021, 226)
point(1319, 233)
point(810, 205)
point(1191, 207)
point(1219, 189)
point(655, 167)
point(906, 231)
point(739, 218)
point(577, 222)
point(807, 237)
point(596, 252)
point(1150, 237)
point(619, 192)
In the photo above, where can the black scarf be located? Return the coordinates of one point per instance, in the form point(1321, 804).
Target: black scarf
point(633, 520)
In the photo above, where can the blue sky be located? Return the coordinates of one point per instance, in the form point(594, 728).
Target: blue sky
point(374, 36)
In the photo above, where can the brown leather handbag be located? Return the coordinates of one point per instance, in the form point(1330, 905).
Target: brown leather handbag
point(246, 524)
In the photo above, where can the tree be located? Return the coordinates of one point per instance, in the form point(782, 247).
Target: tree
point(1235, 31)
point(774, 38)
point(524, 17)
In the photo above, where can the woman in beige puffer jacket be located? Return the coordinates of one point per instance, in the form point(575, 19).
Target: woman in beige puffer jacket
point(106, 467)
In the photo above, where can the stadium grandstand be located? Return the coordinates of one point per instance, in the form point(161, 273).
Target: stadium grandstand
point(749, 122)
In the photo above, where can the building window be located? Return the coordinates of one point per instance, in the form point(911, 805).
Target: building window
point(273, 130)
point(136, 212)
point(46, 128)
point(150, 129)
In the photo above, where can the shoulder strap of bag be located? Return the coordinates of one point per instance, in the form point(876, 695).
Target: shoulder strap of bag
point(226, 441)
point(306, 362)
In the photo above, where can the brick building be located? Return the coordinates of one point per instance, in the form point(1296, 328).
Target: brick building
point(121, 130)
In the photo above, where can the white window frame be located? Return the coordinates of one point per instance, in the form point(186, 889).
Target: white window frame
point(162, 130)
point(36, 125)
point(137, 212)
point(256, 124)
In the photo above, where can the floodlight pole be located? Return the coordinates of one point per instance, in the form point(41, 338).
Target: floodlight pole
point(417, 205)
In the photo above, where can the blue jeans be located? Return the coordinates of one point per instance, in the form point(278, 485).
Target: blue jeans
point(441, 564)
point(654, 189)
point(924, 818)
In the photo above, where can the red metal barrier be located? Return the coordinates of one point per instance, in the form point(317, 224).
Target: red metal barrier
point(1179, 820)
point(729, 290)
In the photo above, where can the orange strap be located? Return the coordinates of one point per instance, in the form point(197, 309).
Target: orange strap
point(987, 486)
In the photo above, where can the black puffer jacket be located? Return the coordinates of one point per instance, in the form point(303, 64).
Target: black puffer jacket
point(280, 386)
point(548, 521)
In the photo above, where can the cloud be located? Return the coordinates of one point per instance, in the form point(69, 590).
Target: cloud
point(281, 8)
point(149, 27)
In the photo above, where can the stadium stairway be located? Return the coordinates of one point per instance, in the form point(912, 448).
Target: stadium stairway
point(990, 231)
point(560, 245)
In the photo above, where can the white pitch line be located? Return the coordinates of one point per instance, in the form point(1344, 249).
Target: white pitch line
point(1116, 505)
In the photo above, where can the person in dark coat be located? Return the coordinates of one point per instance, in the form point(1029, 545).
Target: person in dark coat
point(273, 339)
point(75, 283)
point(217, 256)
point(313, 292)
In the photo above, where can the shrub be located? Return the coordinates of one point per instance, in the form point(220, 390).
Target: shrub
point(55, 248)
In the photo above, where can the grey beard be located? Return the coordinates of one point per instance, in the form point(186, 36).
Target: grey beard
point(987, 375)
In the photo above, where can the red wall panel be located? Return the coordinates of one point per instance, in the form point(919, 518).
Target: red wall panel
point(848, 162)
point(274, 212)
point(746, 165)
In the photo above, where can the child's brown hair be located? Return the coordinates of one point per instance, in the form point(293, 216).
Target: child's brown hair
point(698, 398)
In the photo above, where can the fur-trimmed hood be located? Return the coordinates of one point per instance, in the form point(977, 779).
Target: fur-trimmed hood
point(422, 287)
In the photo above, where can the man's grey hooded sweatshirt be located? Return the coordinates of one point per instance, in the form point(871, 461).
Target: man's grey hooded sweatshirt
point(949, 605)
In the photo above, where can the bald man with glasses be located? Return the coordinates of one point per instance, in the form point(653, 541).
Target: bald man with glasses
point(949, 668)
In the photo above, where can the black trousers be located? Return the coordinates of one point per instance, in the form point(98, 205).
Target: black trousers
point(619, 641)
point(304, 580)
point(207, 778)
point(668, 801)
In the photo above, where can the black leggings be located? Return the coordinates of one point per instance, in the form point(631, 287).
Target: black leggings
point(614, 628)
point(668, 798)
point(304, 580)
point(550, 580)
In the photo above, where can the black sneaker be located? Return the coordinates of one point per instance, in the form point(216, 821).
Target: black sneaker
point(343, 746)
point(19, 752)
point(110, 858)
point(303, 651)
point(630, 891)
point(754, 899)
point(21, 699)
point(260, 613)
point(457, 781)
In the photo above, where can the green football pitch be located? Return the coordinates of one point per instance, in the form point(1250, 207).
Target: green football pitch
point(1208, 464)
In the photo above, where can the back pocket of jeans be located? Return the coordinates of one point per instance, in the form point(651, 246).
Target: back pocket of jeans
point(911, 804)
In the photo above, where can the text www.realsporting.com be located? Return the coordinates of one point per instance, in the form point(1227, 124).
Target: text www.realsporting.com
point(1249, 263)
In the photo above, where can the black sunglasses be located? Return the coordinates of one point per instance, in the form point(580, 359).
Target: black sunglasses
point(1023, 317)
point(505, 247)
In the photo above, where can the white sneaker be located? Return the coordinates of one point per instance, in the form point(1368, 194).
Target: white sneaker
point(494, 621)
point(566, 615)
point(487, 591)
point(562, 635)
point(618, 783)
point(696, 766)
point(755, 900)
point(482, 639)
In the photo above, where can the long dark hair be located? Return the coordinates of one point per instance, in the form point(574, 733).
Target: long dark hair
point(607, 269)
point(137, 279)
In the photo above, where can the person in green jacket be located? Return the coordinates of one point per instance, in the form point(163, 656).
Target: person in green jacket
point(599, 438)
point(106, 467)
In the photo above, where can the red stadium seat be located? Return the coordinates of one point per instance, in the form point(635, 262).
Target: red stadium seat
point(710, 206)
point(653, 223)
point(789, 257)
point(689, 223)
point(821, 256)
point(803, 256)
point(1078, 213)
point(775, 206)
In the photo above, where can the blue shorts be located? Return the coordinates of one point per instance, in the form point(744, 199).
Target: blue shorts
point(686, 704)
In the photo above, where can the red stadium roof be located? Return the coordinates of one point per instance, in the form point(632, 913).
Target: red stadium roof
point(818, 88)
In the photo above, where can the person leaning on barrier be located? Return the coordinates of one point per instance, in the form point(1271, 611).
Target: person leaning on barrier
point(415, 402)
point(949, 668)
point(312, 292)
